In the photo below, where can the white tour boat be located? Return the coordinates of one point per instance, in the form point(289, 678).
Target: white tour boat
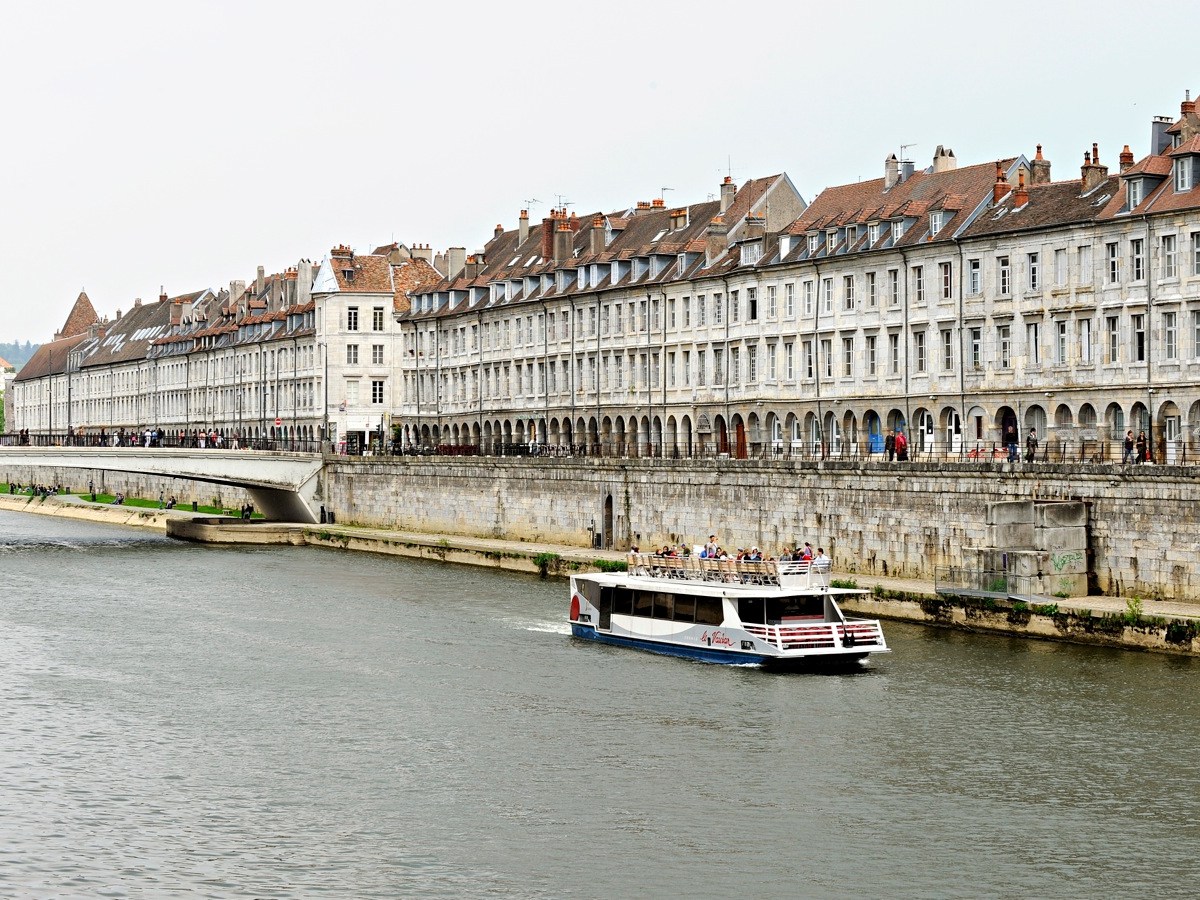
point(773, 614)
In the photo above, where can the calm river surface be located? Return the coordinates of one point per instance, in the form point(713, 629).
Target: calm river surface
point(183, 721)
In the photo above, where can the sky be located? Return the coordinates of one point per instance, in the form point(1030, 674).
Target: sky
point(180, 146)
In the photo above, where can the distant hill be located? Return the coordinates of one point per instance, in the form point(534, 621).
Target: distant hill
point(17, 353)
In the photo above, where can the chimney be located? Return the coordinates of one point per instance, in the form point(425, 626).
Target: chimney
point(1188, 106)
point(597, 236)
point(891, 172)
point(1092, 174)
point(341, 251)
point(499, 230)
point(679, 218)
point(642, 208)
point(162, 296)
point(716, 240)
point(470, 268)
point(658, 203)
point(304, 275)
point(237, 292)
point(1001, 187)
point(1021, 197)
point(756, 227)
point(441, 262)
point(456, 258)
point(137, 301)
point(547, 251)
point(1126, 159)
point(906, 169)
point(421, 251)
point(260, 282)
point(1160, 140)
point(1039, 169)
point(574, 223)
point(944, 160)
point(562, 241)
point(523, 226)
point(728, 192)
point(176, 315)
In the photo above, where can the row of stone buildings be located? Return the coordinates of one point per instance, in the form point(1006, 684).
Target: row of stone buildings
point(947, 302)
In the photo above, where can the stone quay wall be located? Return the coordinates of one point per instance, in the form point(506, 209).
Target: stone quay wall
point(900, 520)
point(128, 483)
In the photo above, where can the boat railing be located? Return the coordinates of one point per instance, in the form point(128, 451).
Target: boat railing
point(768, 572)
point(819, 635)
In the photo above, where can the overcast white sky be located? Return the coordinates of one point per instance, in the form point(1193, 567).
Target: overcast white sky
point(150, 144)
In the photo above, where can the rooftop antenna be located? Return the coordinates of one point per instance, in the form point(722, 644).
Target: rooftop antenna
point(904, 147)
point(562, 200)
point(532, 202)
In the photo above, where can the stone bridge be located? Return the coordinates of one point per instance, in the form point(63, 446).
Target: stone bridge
point(282, 486)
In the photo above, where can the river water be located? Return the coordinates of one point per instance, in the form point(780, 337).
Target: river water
point(189, 721)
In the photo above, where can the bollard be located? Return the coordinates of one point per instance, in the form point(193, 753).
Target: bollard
point(195, 506)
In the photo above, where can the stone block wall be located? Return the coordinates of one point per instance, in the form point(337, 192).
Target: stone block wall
point(899, 520)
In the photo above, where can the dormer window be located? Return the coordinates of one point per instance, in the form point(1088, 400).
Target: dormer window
point(897, 230)
point(813, 242)
point(873, 234)
point(1134, 192)
point(751, 253)
point(1183, 174)
point(830, 240)
point(935, 222)
point(681, 263)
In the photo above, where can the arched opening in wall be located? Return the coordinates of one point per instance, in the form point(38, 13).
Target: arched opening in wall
point(812, 427)
point(739, 432)
point(605, 443)
point(426, 437)
point(671, 439)
point(553, 437)
point(1087, 418)
point(597, 434)
point(951, 426)
point(795, 437)
point(896, 421)
point(976, 434)
point(722, 433)
point(923, 439)
point(1035, 417)
point(608, 522)
point(1139, 418)
point(445, 434)
point(567, 436)
point(1007, 426)
point(454, 436)
point(704, 433)
point(833, 435)
point(475, 436)
point(775, 433)
point(754, 435)
point(1192, 426)
point(541, 433)
point(619, 435)
point(656, 437)
point(645, 438)
point(487, 437)
point(1169, 433)
point(874, 427)
point(519, 434)
point(850, 433)
point(507, 432)
point(1114, 421)
point(1063, 419)
point(632, 438)
point(686, 445)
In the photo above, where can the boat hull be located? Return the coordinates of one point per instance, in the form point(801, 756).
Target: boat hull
point(789, 662)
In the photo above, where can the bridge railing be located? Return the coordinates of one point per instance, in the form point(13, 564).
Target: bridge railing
point(143, 440)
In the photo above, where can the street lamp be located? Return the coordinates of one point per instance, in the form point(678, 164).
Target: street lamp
point(325, 384)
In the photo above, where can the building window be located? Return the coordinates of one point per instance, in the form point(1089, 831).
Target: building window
point(772, 302)
point(1170, 336)
point(352, 318)
point(1060, 267)
point(735, 306)
point(376, 391)
point(701, 310)
point(1139, 337)
point(352, 354)
point(772, 360)
point(848, 291)
point(717, 309)
point(976, 348)
point(789, 300)
point(351, 393)
point(1170, 258)
point(919, 282)
point(1035, 274)
point(1196, 252)
point(1004, 344)
point(377, 354)
point(808, 298)
point(847, 356)
point(919, 347)
point(1196, 334)
point(870, 354)
point(872, 299)
point(1060, 343)
point(1033, 350)
point(827, 295)
point(752, 304)
point(789, 364)
point(377, 319)
point(718, 366)
point(935, 222)
point(1114, 262)
point(1134, 193)
point(947, 350)
point(752, 364)
point(894, 287)
point(873, 234)
point(1005, 275)
point(1085, 264)
point(1085, 341)
point(1183, 174)
point(894, 354)
point(1113, 324)
point(808, 359)
point(946, 277)
point(1137, 257)
point(827, 357)
point(686, 311)
point(974, 277)
point(701, 370)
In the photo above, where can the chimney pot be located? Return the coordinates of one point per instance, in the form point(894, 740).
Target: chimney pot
point(1126, 158)
point(1000, 188)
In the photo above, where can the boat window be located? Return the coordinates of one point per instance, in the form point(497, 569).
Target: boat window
point(589, 590)
point(664, 606)
point(751, 609)
point(643, 603)
point(708, 611)
point(685, 609)
point(799, 607)
point(622, 602)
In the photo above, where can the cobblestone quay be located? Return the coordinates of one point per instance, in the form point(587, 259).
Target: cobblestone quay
point(902, 520)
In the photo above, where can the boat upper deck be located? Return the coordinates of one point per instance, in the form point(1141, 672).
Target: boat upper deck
point(795, 574)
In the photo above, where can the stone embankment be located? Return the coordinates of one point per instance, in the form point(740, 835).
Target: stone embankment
point(1162, 626)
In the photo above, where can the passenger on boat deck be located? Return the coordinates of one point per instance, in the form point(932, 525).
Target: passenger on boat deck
point(807, 554)
point(821, 562)
point(721, 554)
point(711, 548)
point(785, 555)
point(754, 555)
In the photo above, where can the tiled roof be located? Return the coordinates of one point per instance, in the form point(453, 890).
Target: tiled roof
point(1158, 166)
point(1057, 203)
point(5, 365)
point(81, 318)
point(50, 358)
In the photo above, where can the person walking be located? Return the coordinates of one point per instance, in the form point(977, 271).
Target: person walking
point(1127, 454)
point(1031, 445)
point(1010, 441)
point(889, 446)
point(1142, 446)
